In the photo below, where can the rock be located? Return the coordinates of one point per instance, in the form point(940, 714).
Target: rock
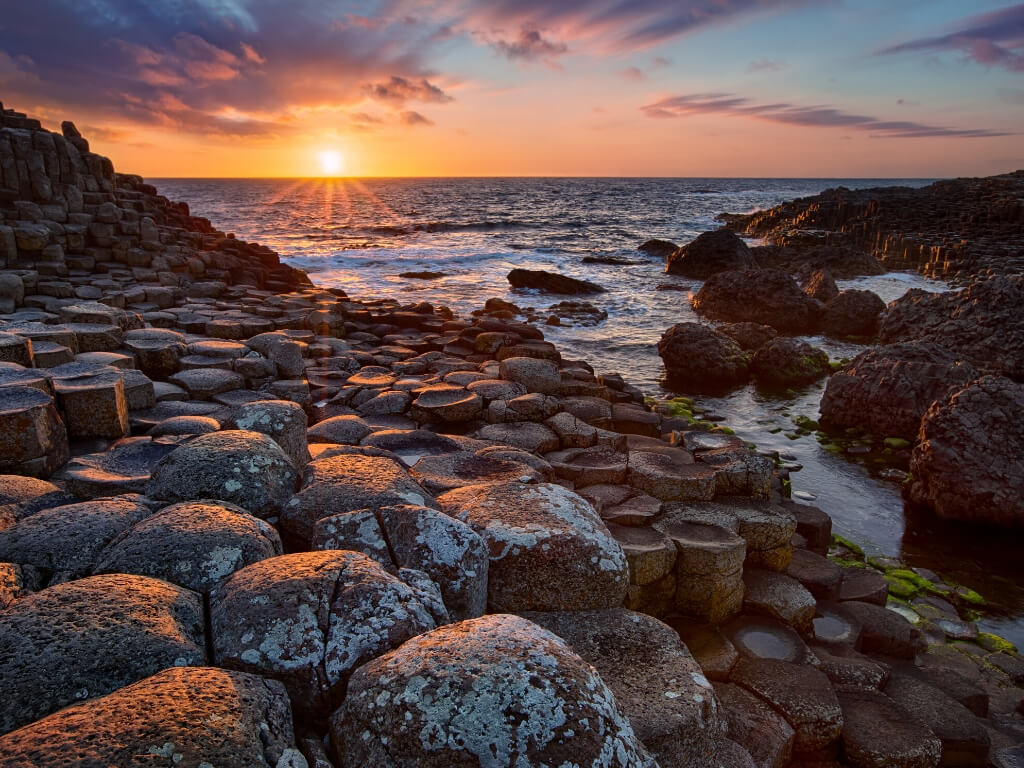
point(864, 585)
point(12, 292)
point(309, 619)
point(204, 383)
point(702, 359)
point(968, 463)
point(89, 637)
point(884, 631)
point(779, 596)
point(750, 336)
point(283, 421)
point(445, 403)
point(67, 540)
point(818, 574)
point(709, 569)
point(549, 549)
point(659, 249)
point(157, 351)
point(581, 313)
point(412, 445)
point(33, 440)
point(93, 401)
point(964, 741)
point(789, 362)
point(712, 252)
point(184, 425)
point(496, 389)
point(590, 466)
point(766, 296)
point(821, 285)
point(180, 716)
point(15, 349)
point(344, 483)
point(878, 733)
point(125, 467)
point(241, 467)
point(887, 390)
point(497, 690)
point(621, 504)
point(454, 470)
point(671, 475)
point(526, 435)
point(652, 558)
point(22, 496)
point(196, 544)
point(756, 726)
point(853, 313)
point(978, 323)
point(536, 375)
point(656, 682)
point(343, 430)
point(801, 694)
point(550, 282)
point(357, 531)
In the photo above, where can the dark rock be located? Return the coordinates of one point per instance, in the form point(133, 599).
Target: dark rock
point(494, 690)
point(821, 286)
point(439, 474)
point(550, 282)
point(33, 440)
point(885, 632)
point(878, 733)
point(712, 252)
point(756, 726)
point(659, 249)
point(125, 467)
point(700, 357)
point(283, 421)
point(853, 313)
point(967, 464)
point(887, 390)
point(789, 362)
point(750, 336)
point(766, 296)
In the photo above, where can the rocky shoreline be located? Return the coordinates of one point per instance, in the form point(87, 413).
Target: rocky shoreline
point(248, 521)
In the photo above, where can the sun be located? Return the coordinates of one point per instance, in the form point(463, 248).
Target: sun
point(331, 162)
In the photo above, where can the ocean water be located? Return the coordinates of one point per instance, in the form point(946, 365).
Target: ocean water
point(361, 234)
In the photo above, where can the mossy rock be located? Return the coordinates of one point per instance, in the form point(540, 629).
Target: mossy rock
point(898, 443)
point(901, 587)
point(995, 643)
point(969, 596)
point(793, 435)
point(774, 430)
point(842, 541)
point(806, 422)
point(724, 430)
point(835, 365)
point(905, 574)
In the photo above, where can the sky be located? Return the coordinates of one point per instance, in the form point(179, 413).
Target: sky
point(781, 88)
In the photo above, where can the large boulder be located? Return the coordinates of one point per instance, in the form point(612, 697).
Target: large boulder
point(788, 362)
point(659, 249)
point(89, 637)
point(549, 549)
point(281, 420)
point(853, 313)
point(242, 467)
point(980, 323)
point(195, 544)
point(183, 716)
point(309, 619)
point(550, 282)
point(657, 683)
point(496, 691)
point(766, 296)
point(717, 251)
point(887, 390)
point(968, 463)
point(700, 358)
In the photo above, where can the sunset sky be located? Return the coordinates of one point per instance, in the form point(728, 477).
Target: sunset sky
point(863, 88)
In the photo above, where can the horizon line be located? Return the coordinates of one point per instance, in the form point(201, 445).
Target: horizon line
point(555, 176)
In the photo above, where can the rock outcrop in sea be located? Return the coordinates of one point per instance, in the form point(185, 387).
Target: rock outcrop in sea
point(247, 521)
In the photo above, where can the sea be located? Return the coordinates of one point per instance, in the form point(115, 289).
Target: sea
point(363, 234)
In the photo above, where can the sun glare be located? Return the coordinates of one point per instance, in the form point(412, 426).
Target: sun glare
point(330, 162)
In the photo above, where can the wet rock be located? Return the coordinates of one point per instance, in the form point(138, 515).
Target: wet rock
point(789, 362)
point(67, 540)
point(967, 464)
point(801, 694)
point(659, 249)
point(125, 467)
point(501, 691)
point(761, 637)
point(848, 669)
point(550, 282)
point(750, 336)
point(887, 390)
point(536, 375)
point(884, 631)
point(821, 285)
point(766, 296)
point(89, 637)
point(581, 313)
point(712, 252)
point(853, 313)
point(33, 440)
point(656, 682)
point(778, 596)
point(878, 733)
point(344, 483)
point(701, 358)
point(179, 716)
point(439, 474)
point(549, 549)
point(756, 726)
point(196, 544)
point(445, 403)
point(309, 619)
point(241, 467)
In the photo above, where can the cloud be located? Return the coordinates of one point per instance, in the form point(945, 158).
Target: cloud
point(400, 90)
point(633, 73)
point(766, 65)
point(529, 45)
point(820, 116)
point(993, 39)
point(415, 118)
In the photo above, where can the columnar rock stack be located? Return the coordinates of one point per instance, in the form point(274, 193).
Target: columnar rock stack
point(302, 530)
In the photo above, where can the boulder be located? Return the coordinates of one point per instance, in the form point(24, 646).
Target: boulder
point(33, 440)
point(968, 463)
point(712, 252)
point(497, 690)
point(550, 282)
point(750, 336)
point(343, 430)
point(853, 313)
point(526, 435)
point(766, 296)
point(89, 637)
point(656, 682)
point(788, 362)
point(700, 359)
point(535, 375)
point(281, 420)
point(658, 249)
point(821, 285)
point(196, 544)
point(184, 716)
point(671, 474)
point(549, 549)
point(887, 390)
point(238, 466)
point(439, 474)
point(309, 619)
point(883, 631)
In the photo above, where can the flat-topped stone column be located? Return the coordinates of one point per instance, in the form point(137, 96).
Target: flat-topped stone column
point(32, 436)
